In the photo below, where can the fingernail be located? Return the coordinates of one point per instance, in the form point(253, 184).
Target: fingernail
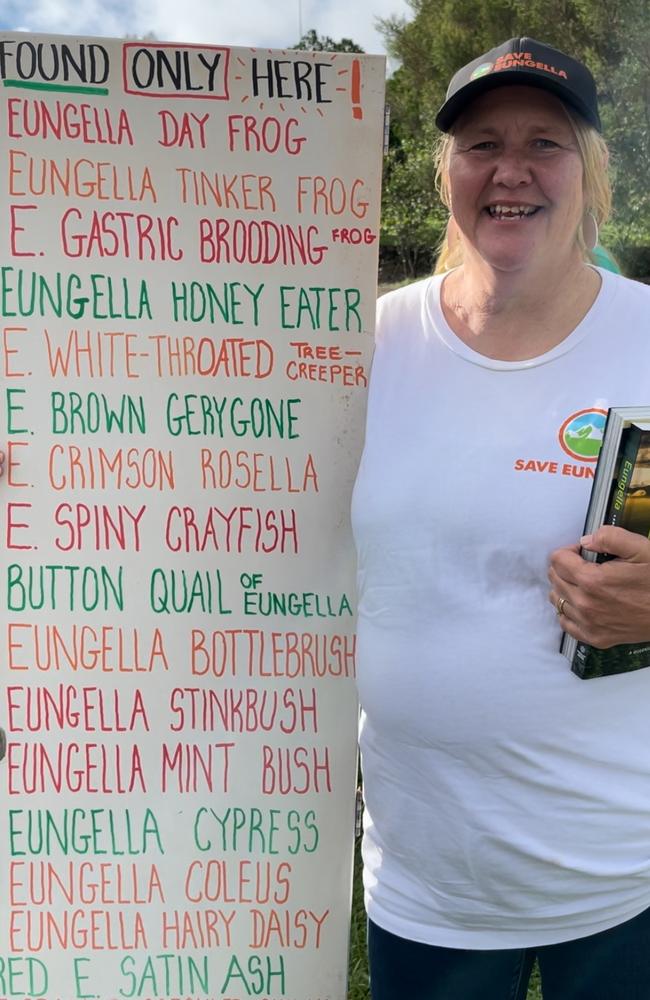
point(586, 541)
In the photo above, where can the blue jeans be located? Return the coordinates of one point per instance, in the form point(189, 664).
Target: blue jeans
point(611, 965)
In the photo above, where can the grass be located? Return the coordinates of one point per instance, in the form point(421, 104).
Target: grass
point(358, 988)
point(358, 972)
point(392, 285)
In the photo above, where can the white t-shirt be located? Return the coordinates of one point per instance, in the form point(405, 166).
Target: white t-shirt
point(508, 802)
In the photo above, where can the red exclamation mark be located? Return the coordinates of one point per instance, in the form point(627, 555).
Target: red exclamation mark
point(357, 111)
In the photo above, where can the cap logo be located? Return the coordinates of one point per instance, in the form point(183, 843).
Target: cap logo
point(512, 60)
point(482, 70)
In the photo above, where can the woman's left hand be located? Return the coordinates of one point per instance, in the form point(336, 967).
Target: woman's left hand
point(607, 603)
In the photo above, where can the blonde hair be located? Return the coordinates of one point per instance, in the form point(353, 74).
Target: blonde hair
point(597, 186)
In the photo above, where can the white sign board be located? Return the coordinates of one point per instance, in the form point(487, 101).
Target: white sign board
point(187, 291)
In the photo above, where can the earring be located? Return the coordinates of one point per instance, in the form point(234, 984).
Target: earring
point(590, 231)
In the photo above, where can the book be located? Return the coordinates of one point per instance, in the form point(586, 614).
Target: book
point(620, 496)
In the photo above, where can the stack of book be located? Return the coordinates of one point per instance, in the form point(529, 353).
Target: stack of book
point(620, 496)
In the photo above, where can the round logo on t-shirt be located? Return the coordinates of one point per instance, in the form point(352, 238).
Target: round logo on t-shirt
point(581, 434)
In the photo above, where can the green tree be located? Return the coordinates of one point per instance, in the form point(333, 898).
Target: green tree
point(412, 218)
point(311, 40)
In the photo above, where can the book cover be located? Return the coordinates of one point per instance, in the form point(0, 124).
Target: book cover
point(628, 507)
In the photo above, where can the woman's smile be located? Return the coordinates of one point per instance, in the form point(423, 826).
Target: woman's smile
point(504, 212)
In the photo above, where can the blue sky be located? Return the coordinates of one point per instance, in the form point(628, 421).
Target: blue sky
point(273, 23)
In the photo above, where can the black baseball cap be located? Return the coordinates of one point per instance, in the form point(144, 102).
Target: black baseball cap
point(529, 63)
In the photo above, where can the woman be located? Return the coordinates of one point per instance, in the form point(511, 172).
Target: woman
point(508, 802)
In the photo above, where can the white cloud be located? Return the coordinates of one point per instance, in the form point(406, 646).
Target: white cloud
point(247, 22)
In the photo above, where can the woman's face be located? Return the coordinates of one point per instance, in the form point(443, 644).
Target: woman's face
point(515, 179)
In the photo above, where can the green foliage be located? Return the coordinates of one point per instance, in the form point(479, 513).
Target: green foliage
point(312, 41)
point(412, 218)
point(610, 36)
